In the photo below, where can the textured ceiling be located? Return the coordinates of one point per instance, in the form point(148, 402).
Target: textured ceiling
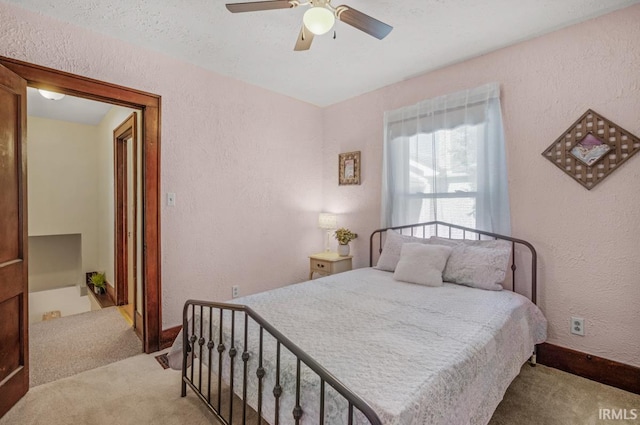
point(257, 47)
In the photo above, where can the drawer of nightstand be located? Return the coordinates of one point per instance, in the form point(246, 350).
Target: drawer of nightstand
point(320, 266)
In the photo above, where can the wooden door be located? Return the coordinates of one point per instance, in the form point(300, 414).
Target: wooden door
point(14, 324)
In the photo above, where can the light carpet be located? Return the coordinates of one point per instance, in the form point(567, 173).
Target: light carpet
point(133, 391)
point(138, 391)
point(544, 396)
point(63, 347)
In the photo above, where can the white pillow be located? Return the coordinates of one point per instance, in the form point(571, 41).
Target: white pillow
point(391, 250)
point(480, 264)
point(422, 264)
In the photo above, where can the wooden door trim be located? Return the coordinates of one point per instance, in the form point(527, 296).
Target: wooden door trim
point(119, 222)
point(150, 105)
point(123, 132)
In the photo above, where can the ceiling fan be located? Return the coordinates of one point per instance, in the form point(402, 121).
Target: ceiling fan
point(319, 19)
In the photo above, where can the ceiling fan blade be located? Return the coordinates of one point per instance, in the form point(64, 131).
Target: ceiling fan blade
point(304, 39)
point(259, 5)
point(363, 22)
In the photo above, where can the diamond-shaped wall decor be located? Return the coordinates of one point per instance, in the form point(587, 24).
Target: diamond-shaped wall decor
point(592, 148)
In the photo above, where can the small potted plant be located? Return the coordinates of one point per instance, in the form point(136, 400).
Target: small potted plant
point(344, 236)
point(99, 282)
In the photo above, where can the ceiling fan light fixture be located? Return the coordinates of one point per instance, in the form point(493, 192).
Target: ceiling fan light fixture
point(50, 94)
point(319, 20)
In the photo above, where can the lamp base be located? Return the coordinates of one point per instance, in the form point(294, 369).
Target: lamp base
point(327, 245)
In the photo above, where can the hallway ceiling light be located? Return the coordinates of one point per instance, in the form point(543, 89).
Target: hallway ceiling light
point(50, 94)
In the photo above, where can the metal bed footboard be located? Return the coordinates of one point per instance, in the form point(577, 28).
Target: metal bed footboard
point(451, 231)
point(196, 348)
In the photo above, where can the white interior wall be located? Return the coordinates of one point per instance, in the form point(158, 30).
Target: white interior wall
point(55, 261)
point(70, 177)
point(62, 181)
point(66, 300)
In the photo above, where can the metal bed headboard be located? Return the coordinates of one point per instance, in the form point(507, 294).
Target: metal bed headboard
point(442, 229)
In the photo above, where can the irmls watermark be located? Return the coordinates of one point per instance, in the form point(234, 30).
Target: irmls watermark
point(619, 414)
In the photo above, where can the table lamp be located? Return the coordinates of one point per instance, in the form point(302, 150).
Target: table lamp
point(328, 222)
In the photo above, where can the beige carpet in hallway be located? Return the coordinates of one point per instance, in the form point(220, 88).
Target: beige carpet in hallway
point(69, 345)
point(138, 391)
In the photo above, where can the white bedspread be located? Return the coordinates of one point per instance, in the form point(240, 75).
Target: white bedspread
point(418, 355)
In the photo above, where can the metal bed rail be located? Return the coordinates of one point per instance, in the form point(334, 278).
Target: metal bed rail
point(214, 350)
point(433, 228)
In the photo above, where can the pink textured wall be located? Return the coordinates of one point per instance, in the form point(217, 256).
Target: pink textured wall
point(245, 163)
point(245, 211)
point(588, 241)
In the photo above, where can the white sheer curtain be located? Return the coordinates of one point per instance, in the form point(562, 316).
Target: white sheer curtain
point(444, 159)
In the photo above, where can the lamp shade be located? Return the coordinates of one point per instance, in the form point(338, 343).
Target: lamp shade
point(50, 94)
point(327, 221)
point(319, 20)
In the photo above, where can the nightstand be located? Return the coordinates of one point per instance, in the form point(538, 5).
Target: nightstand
point(327, 263)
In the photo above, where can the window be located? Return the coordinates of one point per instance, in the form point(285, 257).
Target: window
point(442, 176)
point(444, 160)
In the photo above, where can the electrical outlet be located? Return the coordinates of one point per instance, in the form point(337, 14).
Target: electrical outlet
point(577, 326)
point(235, 291)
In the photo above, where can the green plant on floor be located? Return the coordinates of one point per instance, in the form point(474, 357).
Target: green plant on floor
point(99, 282)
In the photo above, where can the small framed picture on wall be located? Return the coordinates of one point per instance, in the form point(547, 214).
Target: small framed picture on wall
point(349, 168)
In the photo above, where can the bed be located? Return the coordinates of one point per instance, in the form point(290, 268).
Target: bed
point(363, 348)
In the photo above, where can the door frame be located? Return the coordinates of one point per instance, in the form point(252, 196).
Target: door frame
point(149, 104)
point(125, 131)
